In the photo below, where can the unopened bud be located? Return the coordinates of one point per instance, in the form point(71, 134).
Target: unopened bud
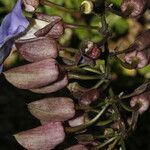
point(142, 101)
point(37, 49)
point(52, 109)
point(75, 87)
point(89, 96)
point(33, 75)
point(134, 8)
point(118, 125)
point(44, 137)
point(86, 6)
point(108, 132)
point(30, 5)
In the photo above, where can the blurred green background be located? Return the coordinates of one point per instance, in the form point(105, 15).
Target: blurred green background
point(14, 116)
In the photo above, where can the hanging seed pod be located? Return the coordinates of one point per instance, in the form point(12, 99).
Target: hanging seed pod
point(45, 137)
point(89, 96)
point(86, 6)
point(52, 87)
point(52, 109)
point(54, 29)
point(133, 8)
point(37, 49)
point(33, 75)
point(30, 5)
point(91, 50)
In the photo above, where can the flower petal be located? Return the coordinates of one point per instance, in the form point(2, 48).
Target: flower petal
point(11, 28)
point(37, 49)
point(13, 24)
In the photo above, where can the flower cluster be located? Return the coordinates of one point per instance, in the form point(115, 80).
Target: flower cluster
point(51, 67)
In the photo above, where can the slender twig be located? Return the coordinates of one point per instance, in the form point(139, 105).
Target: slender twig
point(91, 122)
point(104, 144)
point(58, 7)
point(76, 26)
point(83, 77)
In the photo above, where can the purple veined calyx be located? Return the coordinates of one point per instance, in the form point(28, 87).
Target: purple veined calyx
point(35, 25)
point(34, 75)
point(52, 109)
point(44, 137)
point(13, 25)
point(37, 49)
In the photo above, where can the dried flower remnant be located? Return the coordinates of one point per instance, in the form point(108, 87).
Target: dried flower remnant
point(91, 50)
point(30, 5)
point(33, 75)
point(135, 8)
point(52, 109)
point(142, 101)
point(45, 137)
point(37, 49)
point(11, 27)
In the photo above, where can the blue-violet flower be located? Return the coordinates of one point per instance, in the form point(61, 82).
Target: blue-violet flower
point(11, 27)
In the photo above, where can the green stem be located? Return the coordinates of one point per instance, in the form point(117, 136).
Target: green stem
point(116, 110)
point(59, 7)
point(98, 84)
point(122, 144)
point(76, 26)
point(69, 49)
point(112, 146)
point(125, 107)
point(104, 144)
point(104, 23)
point(86, 108)
point(91, 70)
point(83, 77)
point(105, 122)
point(91, 122)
